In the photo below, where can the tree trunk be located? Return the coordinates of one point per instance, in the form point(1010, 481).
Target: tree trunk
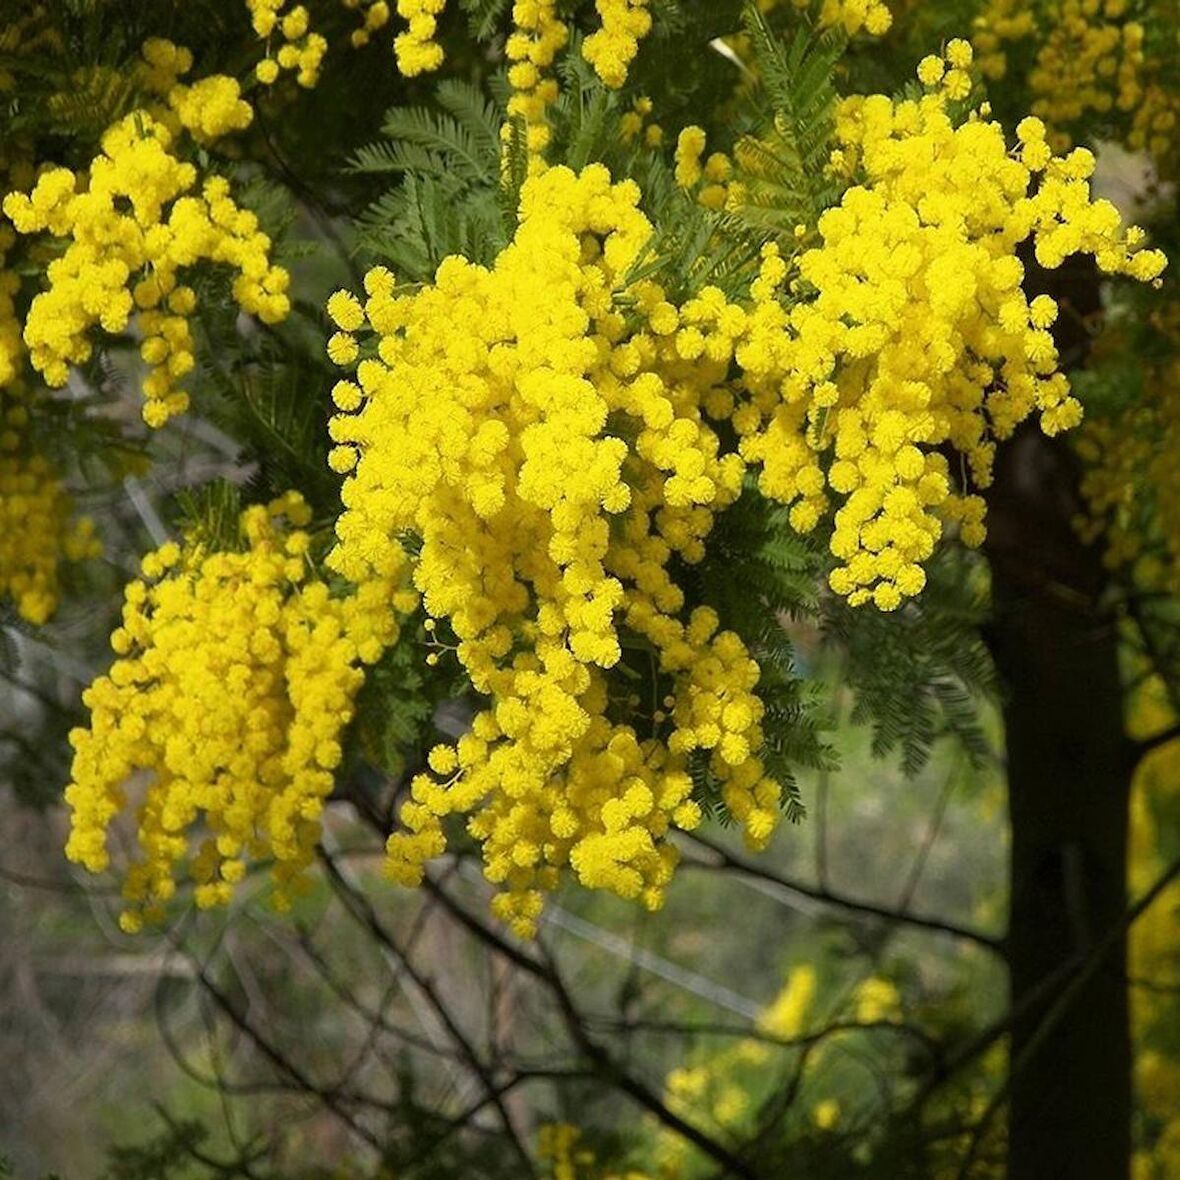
point(1069, 779)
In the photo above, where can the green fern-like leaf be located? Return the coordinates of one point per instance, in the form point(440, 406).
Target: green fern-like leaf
point(919, 673)
point(483, 16)
point(784, 159)
point(449, 197)
point(463, 139)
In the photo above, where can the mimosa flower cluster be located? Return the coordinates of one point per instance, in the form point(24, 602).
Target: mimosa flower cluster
point(635, 126)
point(1155, 125)
point(416, 49)
point(536, 39)
point(559, 1146)
point(207, 109)
point(918, 335)
point(552, 462)
point(1090, 59)
point(723, 1088)
point(132, 228)
point(11, 344)
point(234, 679)
point(853, 16)
point(300, 52)
point(38, 527)
point(611, 49)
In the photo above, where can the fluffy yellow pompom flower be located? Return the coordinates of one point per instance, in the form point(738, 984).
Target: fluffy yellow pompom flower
point(690, 146)
point(206, 109)
point(536, 38)
point(707, 179)
point(130, 234)
point(417, 51)
point(611, 49)
point(234, 678)
point(300, 51)
point(853, 16)
point(552, 463)
point(211, 108)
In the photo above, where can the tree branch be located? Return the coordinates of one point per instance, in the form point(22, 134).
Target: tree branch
point(726, 861)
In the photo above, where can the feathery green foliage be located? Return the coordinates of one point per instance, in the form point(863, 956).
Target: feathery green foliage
point(784, 161)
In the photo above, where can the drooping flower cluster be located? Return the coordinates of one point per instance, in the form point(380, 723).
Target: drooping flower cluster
point(301, 51)
point(552, 453)
point(612, 48)
point(38, 527)
point(416, 49)
point(919, 335)
point(235, 676)
point(552, 462)
point(537, 37)
point(132, 231)
point(207, 109)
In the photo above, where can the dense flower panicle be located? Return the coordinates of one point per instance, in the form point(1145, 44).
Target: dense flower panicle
point(1092, 58)
point(207, 109)
point(552, 462)
point(919, 335)
point(416, 49)
point(211, 108)
point(552, 453)
point(38, 527)
point(234, 678)
point(1089, 58)
point(137, 224)
point(611, 49)
point(1000, 22)
point(537, 37)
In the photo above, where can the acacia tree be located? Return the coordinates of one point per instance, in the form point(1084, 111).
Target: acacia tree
point(523, 406)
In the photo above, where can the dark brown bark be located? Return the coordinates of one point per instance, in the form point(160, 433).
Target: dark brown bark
point(1069, 780)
